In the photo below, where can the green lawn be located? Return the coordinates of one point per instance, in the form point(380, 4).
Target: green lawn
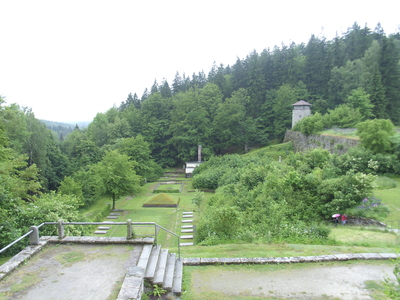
point(169, 218)
point(352, 239)
point(391, 198)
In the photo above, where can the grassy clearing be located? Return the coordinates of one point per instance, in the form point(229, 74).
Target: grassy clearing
point(274, 151)
point(391, 198)
point(281, 250)
point(341, 133)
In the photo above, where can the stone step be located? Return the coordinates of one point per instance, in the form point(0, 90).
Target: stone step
point(187, 216)
point(112, 217)
point(145, 256)
point(187, 226)
point(187, 221)
point(187, 213)
point(185, 244)
point(169, 272)
point(186, 236)
point(177, 285)
point(152, 265)
point(162, 263)
point(186, 230)
point(100, 232)
point(103, 227)
point(115, 214)
point(118, 210)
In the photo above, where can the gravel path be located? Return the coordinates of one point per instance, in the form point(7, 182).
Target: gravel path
point(70, 272)
point(326, 282)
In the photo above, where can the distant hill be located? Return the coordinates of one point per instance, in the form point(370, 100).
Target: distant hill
point(63, 129)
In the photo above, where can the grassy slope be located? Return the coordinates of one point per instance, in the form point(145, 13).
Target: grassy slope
point(354, 240)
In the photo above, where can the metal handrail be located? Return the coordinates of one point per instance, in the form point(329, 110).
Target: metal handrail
point(99, 223)
point(16, 241)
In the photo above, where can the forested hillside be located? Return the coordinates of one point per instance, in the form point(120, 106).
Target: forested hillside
point(249, 102)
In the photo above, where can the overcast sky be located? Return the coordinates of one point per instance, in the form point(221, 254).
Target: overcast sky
point(69, 60)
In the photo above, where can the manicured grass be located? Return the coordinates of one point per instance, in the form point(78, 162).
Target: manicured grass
point(356, 236)
point(169, 218)
point(175, 186)
point(391, 198)
point(163, 198)
point(278, 250)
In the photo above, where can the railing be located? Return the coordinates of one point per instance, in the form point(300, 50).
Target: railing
point(33, 233)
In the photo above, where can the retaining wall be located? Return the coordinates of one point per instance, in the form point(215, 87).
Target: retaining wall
point(333, 144)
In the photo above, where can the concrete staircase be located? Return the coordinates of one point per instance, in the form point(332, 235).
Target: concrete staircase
point(157, 266)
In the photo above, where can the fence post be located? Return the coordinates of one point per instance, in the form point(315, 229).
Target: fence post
point(34, 236)
point(60, 227)
point(156, 230)
point(129, 229)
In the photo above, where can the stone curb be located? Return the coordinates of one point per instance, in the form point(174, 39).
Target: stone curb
point(285, 260)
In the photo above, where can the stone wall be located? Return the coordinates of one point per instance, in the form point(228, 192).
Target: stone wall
point(361, 221)
point(331, 143)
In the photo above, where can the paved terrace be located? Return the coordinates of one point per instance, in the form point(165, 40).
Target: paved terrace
point(71, 268)
point(96, 267)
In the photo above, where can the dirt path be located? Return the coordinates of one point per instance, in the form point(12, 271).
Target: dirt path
point(327, 282)
point(70, 272)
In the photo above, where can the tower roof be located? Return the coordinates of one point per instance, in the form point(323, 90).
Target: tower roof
point(302, 102)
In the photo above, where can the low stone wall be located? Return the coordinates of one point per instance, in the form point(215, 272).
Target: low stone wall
point(361, 221)
point(333, 144)
point(287, 260)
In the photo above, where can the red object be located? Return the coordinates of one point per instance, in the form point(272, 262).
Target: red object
point(344, 217)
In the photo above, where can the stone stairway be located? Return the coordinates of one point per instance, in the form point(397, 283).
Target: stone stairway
point(187, 219)
point(157, 266)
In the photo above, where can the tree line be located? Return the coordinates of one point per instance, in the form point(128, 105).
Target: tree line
point(249, 103)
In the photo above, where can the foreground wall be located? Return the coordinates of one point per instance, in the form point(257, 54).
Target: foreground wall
point(331, 143)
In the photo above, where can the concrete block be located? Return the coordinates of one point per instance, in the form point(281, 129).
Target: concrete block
point(185, 244)
point(371, 255)
point(389, 255)
point(209, 261)
point(177, 282)
point(187, 216)
point(169, 272)
point(72, 239)
point(145, 256)
point(186, 236)
point(353, 256)
point(187, 226)
point(194, 261)
point(9, 266)
point(162, 263)
point(186, 230)
point(89, 239)
point(230, 261)
point(103, 227)
point(342, 257)
point(112, 217)
point(187, 221)
point(152, 265)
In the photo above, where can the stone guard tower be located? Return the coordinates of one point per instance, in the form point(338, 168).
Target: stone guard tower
point(301, 110)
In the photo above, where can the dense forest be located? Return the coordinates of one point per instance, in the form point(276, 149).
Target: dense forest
point(230, 109)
